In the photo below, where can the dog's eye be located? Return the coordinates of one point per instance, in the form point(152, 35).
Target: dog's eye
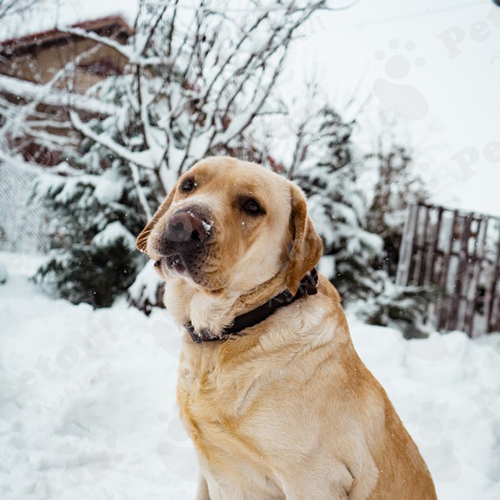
point(188, 185)
point(251, 207)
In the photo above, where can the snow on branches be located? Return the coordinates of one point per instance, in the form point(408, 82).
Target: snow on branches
point(201, 77)
point(198, 80)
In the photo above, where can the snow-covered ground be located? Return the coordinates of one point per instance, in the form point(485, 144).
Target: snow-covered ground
point(87, 401)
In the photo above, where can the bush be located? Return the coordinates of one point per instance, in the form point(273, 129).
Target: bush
point(403, 308)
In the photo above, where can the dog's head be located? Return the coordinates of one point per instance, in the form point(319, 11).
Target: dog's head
point(232, 225)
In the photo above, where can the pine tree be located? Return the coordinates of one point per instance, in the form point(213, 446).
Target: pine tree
point(337, 204)
point(94, 215)
point(395, 189)
point(354, 231)
point(199, 81)
point(403, 308)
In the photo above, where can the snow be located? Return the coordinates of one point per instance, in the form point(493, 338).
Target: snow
point(207, 226)
point(326, 265)
point(47, 95)
point(141, 158)
point(87, 400)
point(145, 287)
point(109, 187)
point(111, 233)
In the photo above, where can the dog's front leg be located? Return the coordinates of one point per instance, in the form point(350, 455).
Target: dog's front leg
point(326, 494)
point(202, 493)
point(319, 478)
point(311, 487)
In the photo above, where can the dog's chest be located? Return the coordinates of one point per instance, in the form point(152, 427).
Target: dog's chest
point(212, 404)
point(214, 409)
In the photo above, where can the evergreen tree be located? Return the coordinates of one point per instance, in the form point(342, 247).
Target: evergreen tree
point(403, 308)
point(396, 187)
point(358, 235)
point(337, 204)
point(198, 82)
point(94, 214)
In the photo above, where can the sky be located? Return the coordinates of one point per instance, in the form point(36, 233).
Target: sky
point(432, 66)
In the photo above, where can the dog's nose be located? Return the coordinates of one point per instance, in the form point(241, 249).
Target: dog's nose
point(187, 226)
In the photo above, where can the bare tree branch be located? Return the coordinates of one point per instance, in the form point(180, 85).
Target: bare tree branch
point(141, 159)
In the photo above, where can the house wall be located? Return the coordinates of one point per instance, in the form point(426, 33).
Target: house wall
point(41, 63)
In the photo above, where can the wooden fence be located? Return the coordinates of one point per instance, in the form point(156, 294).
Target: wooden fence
point(459, 253)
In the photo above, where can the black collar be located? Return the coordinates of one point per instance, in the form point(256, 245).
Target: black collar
point(308, 286)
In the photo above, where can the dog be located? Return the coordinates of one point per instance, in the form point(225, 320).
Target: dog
point(270, 389)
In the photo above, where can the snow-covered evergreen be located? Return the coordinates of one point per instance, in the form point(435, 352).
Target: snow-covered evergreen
point(94, 219)
point(199, 81)
point(396, 187)
point(337, 203)
point(358, 203)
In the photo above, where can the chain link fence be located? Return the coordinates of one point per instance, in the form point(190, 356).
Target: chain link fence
point(22, 220)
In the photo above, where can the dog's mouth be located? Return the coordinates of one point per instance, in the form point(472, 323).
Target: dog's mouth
point(173, 262)
point(187, 266)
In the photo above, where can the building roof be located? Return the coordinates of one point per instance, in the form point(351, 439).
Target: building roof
point(103, 25)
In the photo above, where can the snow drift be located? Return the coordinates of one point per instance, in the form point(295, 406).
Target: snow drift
point(87, 400)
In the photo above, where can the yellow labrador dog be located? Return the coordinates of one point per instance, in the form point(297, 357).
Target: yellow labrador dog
point(271, 391)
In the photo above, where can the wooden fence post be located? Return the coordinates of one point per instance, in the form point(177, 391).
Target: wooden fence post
point(406, 251)
point(447, 248)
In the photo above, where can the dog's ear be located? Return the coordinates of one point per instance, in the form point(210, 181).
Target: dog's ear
point(141, 241)
point(307, 246)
